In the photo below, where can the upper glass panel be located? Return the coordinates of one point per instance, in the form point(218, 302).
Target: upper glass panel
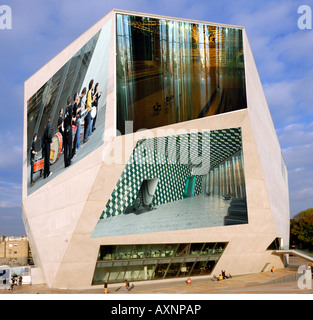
point(172, 71)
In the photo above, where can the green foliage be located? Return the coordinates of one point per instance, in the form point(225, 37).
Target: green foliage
point(301, 230)
point(303, 214)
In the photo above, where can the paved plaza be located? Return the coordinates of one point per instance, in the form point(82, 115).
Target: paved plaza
point(261, 283)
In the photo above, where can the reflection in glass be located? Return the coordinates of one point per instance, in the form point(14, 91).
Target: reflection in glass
point(106, 253)
point(185, 269)
point(101, 274)
point(133, 270)
point(209, 267)
point(124, 252)
point(196, 248)
point(208, 248)
point(173, 270)
point(156, 251)
point(146, 273)
point(169, 250)
point(173, 71)
point(219, 248)
point(140, 251)
point(227, 178)
point(198, 268)
point(183, 250)
point(160, 271)
point(117, 273)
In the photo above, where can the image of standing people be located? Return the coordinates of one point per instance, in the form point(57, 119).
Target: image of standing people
point(47, 139)
point(89, 102)
point(76, 112)
point(80, 71)
point(60, 125)
point(43, 144)
point(79, 120)
point(97, 96)
point(33, 154)
point(68, 118)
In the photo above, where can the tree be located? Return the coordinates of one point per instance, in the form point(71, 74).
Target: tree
point(301, 229)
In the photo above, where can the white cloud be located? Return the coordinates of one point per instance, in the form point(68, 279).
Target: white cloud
point(300, 173)
point(296, 134)
point(268, 19)
point(11, 152)
point(11, 222)
point(290, 100)
point(4, 204)
point(10, 194)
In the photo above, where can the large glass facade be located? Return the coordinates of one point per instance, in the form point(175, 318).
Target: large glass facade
point(172, 71)
point(156, 261)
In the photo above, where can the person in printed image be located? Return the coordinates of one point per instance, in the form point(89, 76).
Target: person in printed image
point(33, 154)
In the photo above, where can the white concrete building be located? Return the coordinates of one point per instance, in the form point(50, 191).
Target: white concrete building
point(203, 188)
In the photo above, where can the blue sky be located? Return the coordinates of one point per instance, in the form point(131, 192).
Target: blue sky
point(283, 54)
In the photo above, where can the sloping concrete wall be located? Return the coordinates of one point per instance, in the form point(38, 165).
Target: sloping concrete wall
point(268, 148)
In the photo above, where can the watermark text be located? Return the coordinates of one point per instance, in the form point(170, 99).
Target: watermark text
point(305, 280)
point(305, 20)
point(5, 17)
point(160, 146)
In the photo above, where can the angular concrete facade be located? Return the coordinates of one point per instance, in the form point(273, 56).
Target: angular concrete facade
point(61, 218)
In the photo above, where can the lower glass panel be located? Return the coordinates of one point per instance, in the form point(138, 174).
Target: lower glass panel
point(162, 261)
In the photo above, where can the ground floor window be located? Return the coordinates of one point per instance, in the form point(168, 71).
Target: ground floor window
point(155, 262)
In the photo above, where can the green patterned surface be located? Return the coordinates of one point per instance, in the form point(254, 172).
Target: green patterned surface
point(172, 160)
